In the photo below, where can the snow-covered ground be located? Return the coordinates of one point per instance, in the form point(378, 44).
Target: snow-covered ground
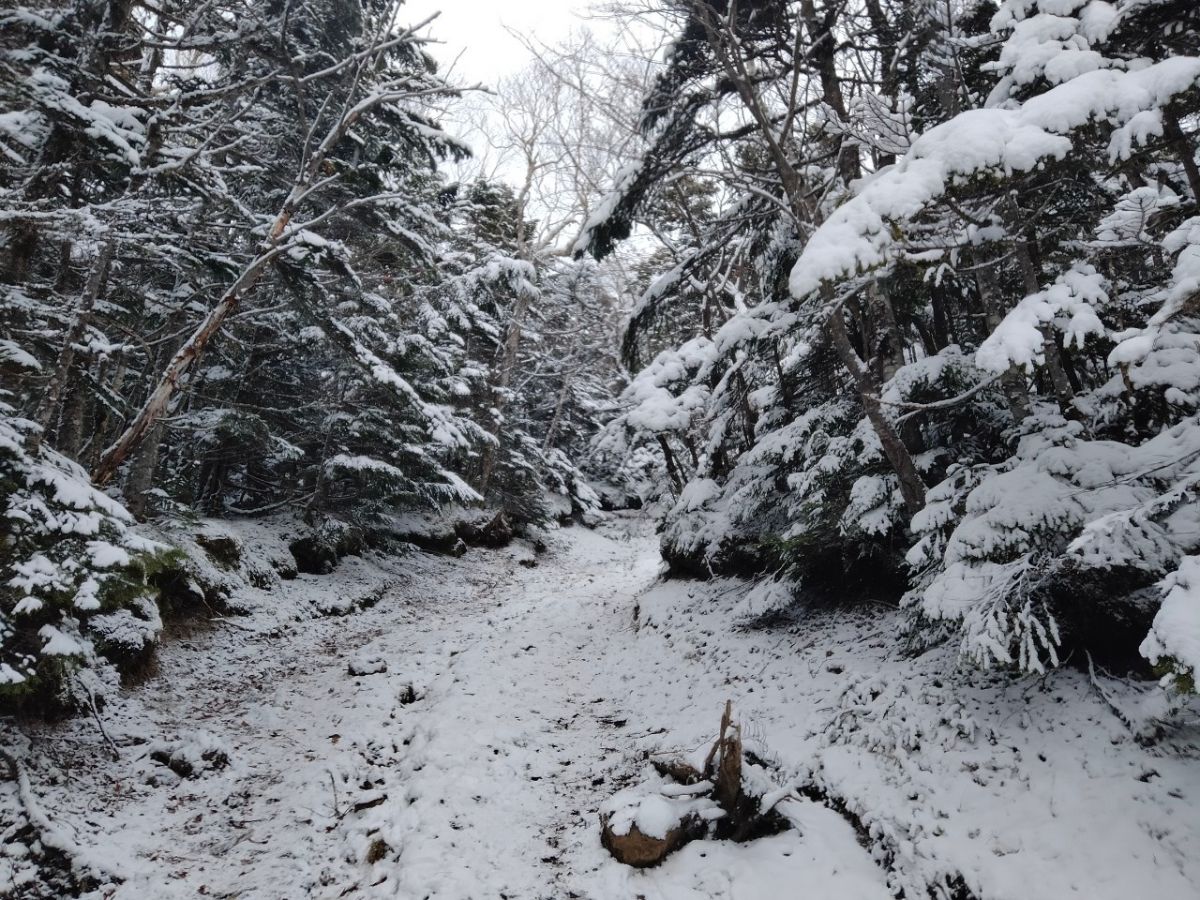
point(502, 703)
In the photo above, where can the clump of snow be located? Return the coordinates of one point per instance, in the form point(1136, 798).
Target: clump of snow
point(655, 814)
point(367, 665)
point(1174, 639)
point(59, 643)
point(1018, 340)
point(194, 755)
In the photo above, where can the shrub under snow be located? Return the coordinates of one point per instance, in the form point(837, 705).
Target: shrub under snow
point(75, 601)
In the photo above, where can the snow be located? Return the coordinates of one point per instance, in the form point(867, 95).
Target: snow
point(654, 815)
point(1175, 634)
point(58, 643)
point(15, 355)
point(662, 397)
point(1017, 340)
point(820, 860)
point(541, 693)
point(861, 234)
point(698, 492)
point(105, 555)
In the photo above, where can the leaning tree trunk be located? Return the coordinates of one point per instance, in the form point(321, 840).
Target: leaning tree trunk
point(912, 485)
point(156, 404)
point(307, 181)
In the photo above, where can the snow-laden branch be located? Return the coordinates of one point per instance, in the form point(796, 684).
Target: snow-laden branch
point(863, 233)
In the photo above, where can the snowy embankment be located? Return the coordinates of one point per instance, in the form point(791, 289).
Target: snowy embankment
point(499, 703)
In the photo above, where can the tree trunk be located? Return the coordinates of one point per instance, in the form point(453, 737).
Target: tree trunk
point(156, 404)
point(893, 357)
point(68, 437)
point(749, 420)
point(141, 472)
point(912, 486)
point(942, 334)
point(508, 364)
point(785, 389)
point(48, 408)
point(1054, 365)
point(672, 466)
point(559, 406)
point(822, 50)
point(1173, 132)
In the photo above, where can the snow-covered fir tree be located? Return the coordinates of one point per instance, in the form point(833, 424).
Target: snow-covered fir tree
point(237, 280)
point(943, 330)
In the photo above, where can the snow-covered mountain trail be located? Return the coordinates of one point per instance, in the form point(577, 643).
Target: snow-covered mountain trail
point(502, 698)
point(473, 767)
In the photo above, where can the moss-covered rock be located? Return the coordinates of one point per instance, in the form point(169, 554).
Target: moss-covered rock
point(223, 549)
point(77, 585)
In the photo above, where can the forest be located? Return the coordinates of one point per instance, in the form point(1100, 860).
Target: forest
point(859, 338)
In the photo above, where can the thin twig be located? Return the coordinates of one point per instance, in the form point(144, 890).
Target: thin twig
point(1116, 710)
point(96, 715)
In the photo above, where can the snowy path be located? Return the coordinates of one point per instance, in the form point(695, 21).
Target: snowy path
point(527, 716)
point(516, 700)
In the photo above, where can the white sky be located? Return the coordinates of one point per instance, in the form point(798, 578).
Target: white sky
point(476, 29)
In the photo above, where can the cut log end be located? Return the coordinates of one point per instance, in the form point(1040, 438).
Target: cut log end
point(643, 851)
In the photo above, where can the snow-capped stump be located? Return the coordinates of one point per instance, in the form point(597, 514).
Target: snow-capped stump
point(368, 665)
point(728, 794)
point(192, 756)
point(643, 830)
